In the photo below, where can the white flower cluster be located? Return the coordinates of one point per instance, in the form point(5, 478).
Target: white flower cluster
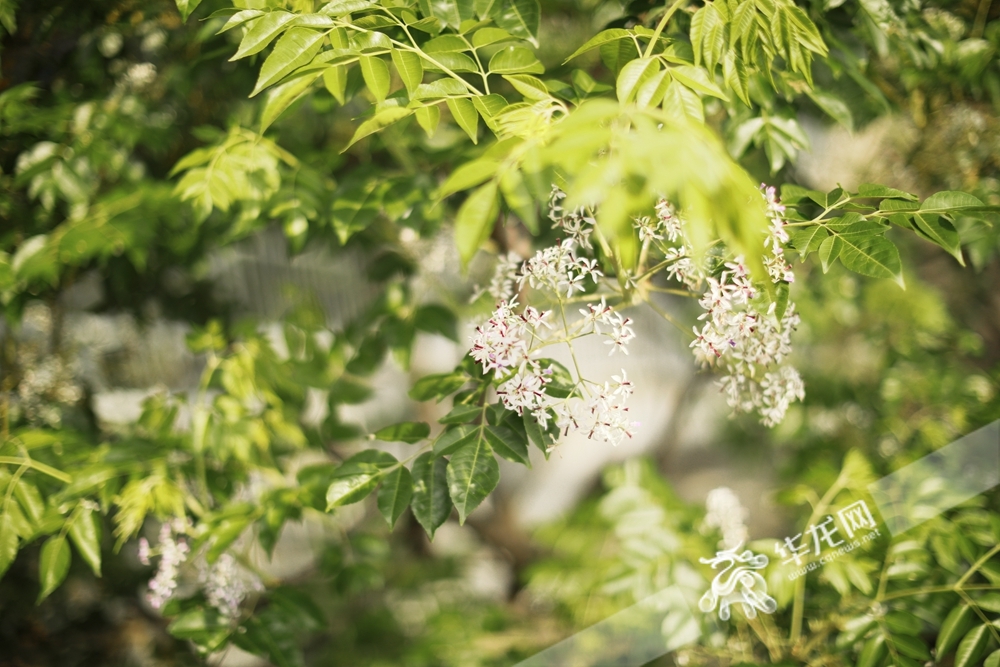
point(680, 258)
point(558, 269)
point(173, 551)
point(226, 585)
point(602, 415)
point(777, 266)
point(577, 225)
point(737, 336)
point(725, 512)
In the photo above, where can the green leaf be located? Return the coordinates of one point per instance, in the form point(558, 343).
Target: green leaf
point(873, 256)
point(955, 625)
point(451, 12)
point(992, 660)
point(633, 75)
point(53, 564)
point(472, 474)
point(456, 62)
point(410, 68)
point(911, 647)
point(465, 114)
point(431, 503)
point(437, 386)
point(8, 542)
point(681, 102)
point(394, 494)
point(85, 532)
point(355, 205)
point(185, 7)
point(515, 193)
point(371, 43)
point(603, 37)
point(971, 648)
point(446, 44)
point(461, 414)
point(379, 121)
point(651, 92)
point(529, 86)
point(467, 176)
point(950, 200)
point(428, 118)
point(239, 18)
point(263, 32)
point(829, 251)
point(439, 89)
point(486, 36)
point(454, 439)
point(875, 190)
point(515, 60)
point(518, 17)
point(475, 220)
point(295, 49)
point(872, 653)
point(408, 432)
point(357, 477)
point(335, 80)
point(283, 96)
point(376, 75)
point(940, 231)
point(508, 444)
point(343, 7)
point(697, 80)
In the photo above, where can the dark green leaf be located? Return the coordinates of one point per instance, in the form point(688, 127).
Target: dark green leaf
point(408, 432)
point(911, 646)
point(53, 564)
point(431, 503)
point(461, 414)
point(453, 439)
point(872, 652)
point(434, 318)
point(437, 386)
point(472, 474)
point(508, 444)
point(394, 495)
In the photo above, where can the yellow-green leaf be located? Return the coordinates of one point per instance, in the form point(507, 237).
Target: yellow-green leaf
point(475, 220)
point(53, 564)
point(376, 76)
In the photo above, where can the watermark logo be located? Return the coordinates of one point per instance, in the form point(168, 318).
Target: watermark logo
point(822, 545)
point(737, 583)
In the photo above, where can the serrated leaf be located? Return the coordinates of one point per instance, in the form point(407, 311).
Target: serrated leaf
point(475, 219)
point(356, 477)
point(8, 542)
point(950, 200)
point(829, 250)
point(263, 32)
point(515, 60)
point(518, 17)
point(603, 37)
point(461, 414)
point(283, 96)
point(697, 80)
point(971, 648)
point(430, 502)
point(876, 190)
point(941, 232)
point(472, 474)
point(410, 68)
point(454, 439)
point(633, 75)
point(85, 532)
point(376, 75)
point(408, 432)
point(295, 49)
point(681, 102)
point(379, 121)
point(428, 118)
point(465, 115)
point(508, 444)
point(394, 494)
point(531, 87)
point(486, 36)
point(53, 564)
point(873, 256)
point(954, 627)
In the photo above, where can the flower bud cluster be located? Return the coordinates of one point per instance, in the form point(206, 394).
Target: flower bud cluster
point(578, 225)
